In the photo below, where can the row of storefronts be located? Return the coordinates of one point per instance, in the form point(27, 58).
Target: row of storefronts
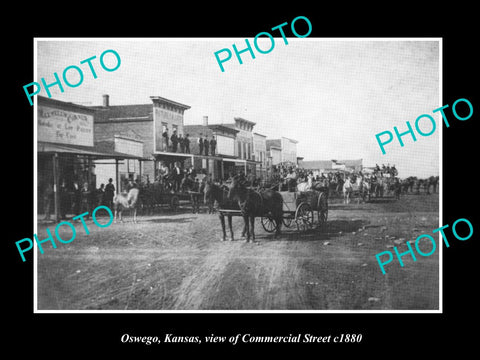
point(66, 153)
point(85, 147)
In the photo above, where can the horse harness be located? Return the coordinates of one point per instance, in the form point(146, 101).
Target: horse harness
point(243, 204)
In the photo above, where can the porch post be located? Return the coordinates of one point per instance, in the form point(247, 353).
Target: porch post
point(116, 177)
point(140, 162)
point(56, 188)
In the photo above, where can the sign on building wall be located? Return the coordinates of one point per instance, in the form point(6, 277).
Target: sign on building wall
point(225, 145)
point(64, 127)
point(127, 146)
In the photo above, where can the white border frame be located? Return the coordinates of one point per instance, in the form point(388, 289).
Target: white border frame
point(35, 295)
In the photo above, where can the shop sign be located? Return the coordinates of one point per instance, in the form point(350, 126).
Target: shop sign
point(64, 127)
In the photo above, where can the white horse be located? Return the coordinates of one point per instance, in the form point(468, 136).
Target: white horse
point(124, 201)
point(347, 190)
point(358, 188)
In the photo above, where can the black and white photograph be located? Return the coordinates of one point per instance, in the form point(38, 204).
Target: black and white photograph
point(259, 186)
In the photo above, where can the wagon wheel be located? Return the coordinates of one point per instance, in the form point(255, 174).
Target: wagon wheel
point(287, 220)
point(304, 217)
point(174, 203)
point(269, 224)
point(322, 208)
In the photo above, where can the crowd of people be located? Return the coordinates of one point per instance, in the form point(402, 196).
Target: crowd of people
point(171, 178)
point(77, 198)
point(385, 170)
point(289, 178)
point(178, 143)
point(206, 146)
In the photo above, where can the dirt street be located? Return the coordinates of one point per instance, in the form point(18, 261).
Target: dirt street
point(176, 261)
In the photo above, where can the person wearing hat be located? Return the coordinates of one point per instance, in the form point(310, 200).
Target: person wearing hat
point(200, 144)
point(291, 180)
point(181, 142)
point(213, 144)
point(165, 139)
point(174, 140)
point(100, 194)
point(186, 141)
point(177, 176)
point(205, 145)
point(109, 193)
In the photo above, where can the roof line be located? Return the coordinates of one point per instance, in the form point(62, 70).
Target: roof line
point(171, 102)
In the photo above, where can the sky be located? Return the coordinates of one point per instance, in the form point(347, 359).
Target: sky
point(331, 95)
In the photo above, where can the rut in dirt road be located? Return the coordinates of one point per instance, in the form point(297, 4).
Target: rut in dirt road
point(243, 276)
point(198, 288)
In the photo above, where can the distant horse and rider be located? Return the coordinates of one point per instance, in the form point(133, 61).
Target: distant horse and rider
point(412, 184)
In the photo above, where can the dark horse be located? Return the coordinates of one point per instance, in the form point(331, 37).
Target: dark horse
point(213, 192)
point(192, 187)
point(254, 204)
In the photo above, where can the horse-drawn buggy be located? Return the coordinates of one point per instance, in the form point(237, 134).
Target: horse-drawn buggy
point(156, 195)
point(302, 208)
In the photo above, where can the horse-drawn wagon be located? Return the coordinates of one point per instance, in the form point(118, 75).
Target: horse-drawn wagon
point(300, 208)
point(155, 195)
point(273, 207)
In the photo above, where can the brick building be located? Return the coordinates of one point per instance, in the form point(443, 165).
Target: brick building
point(146, 124)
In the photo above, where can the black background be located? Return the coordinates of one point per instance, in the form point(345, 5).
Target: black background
point(60, 335)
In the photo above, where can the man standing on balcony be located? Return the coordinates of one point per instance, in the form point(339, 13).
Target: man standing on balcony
point(165, 140)
point(174, 140)
point(187, 144)
point(205, 145)
point(200, 144)
point(213, 145)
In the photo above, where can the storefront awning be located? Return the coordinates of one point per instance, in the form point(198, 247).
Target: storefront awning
point(241, 161)
point(51, 148)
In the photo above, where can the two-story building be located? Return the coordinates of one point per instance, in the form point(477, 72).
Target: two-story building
point(244, 144)
point(220, 160)
point(260, 154)
point(282, 151)
point(151, 124)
